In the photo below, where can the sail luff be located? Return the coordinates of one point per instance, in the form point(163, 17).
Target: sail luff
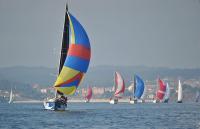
point(65, 40)
point(65, 45)
point(134, 87)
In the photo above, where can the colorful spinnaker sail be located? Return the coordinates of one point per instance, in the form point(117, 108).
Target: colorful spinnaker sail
point(139, 87)
point(119, 85)
point(77, 59)
point(89, 94)
point(161, 90)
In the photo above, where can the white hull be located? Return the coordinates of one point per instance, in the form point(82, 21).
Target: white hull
point(179, 101)
point(155, 101)
point(133, 101)
point(141, 101)
point(51, 105)
point(113, 101)
point(87, 101)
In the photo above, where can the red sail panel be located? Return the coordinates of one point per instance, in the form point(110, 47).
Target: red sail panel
point(120, 85)
point(161, 90)
point(89, 93)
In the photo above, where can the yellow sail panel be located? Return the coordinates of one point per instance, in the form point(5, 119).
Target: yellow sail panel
point(72, 34)
point(67, 90)
point(66, 74)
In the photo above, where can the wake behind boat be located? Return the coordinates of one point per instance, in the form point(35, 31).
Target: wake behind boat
point(74, 62)
point(119, 88)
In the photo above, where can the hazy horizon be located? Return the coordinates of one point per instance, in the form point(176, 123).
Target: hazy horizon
point(122, 33)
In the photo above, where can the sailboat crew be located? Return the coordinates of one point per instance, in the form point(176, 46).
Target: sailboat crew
point(61, 99)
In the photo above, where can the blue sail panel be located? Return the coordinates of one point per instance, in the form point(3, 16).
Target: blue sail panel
point(139, 87)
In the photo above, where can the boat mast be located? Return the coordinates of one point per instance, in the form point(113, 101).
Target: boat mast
point(134, 87)
point(65, 43)
point(114, 84)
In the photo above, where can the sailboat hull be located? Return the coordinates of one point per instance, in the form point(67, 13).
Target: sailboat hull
point(51, 105)
point(114, 101)
point(133, 101)
point(87, 101)
point(155, 101)
point(166, 101)
point(141, 101)
point(179, 101)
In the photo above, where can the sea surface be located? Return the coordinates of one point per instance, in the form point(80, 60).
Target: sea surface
point(101, 116)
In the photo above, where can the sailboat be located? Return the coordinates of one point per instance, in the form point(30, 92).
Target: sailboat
point(160, 91)
point(89, 95)
point(119, 88)
point(11, 96)
point(74, 62)
point(167, 94)
point(180, 92)
point(197, 96)
point(138, 89)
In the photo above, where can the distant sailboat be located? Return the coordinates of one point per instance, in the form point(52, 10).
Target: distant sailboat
point(180, 92)
point(160, 91)
point(138, 89)
point(11, 96)
point(197, 96)
point(74, 62)
point(119, 88)
point(89, 95)
point(167, 94)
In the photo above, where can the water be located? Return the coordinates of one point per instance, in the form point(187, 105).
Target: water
point(101, 116)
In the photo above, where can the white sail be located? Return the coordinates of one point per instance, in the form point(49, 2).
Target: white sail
point(167, 94)
point(131, 87)
point(11, 97)
point(180, 91)
point(144, 94)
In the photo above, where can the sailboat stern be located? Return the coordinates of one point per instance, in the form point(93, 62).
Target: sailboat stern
point(52, 105)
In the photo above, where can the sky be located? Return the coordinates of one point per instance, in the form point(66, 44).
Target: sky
point(155, 33)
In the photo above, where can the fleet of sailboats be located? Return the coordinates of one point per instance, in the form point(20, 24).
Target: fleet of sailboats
point(119, 88)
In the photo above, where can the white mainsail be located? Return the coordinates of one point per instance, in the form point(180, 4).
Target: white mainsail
point(180, 91)
point(11, 97)
point(167, 94)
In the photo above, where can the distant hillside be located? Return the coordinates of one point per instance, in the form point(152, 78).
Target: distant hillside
point(103, 75)
point(99, 75)
point(29, 75)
